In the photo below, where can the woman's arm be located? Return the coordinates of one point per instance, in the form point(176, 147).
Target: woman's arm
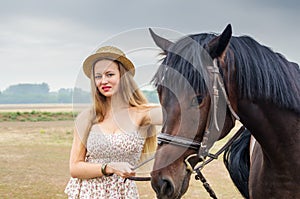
point(78, 167)
point(156, 115)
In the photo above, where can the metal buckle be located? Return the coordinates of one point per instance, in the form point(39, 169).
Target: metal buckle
point(188, 164)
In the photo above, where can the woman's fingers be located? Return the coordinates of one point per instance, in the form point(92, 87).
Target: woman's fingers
point(122, 169)
point(127, 174)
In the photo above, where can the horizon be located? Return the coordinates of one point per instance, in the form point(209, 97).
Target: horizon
point(143, 88)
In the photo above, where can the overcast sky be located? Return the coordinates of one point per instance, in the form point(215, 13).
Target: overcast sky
point(47, 41)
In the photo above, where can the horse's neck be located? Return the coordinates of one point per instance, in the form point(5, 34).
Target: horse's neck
point(276, 130)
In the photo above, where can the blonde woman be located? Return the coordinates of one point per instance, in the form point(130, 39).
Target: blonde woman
point(111, 137)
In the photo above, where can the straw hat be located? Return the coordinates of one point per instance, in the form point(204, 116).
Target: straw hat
point(107, 52)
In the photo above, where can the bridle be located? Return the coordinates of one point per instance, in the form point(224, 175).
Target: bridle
point(178, 141)
point(210, 136)
point(212, 133)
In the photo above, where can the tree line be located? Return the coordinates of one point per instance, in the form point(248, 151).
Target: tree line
point(40, 93)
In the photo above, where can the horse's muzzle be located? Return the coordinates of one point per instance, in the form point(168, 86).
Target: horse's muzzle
point(164, 187)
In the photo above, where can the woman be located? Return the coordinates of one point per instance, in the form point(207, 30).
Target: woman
point(112, 137)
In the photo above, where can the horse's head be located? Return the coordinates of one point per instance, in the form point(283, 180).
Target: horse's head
point(195, 117)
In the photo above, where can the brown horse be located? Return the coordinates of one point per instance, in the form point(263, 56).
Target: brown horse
point(203, 81)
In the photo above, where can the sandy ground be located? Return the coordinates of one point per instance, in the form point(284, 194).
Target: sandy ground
point(35, 155)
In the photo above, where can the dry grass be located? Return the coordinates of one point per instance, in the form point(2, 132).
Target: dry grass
point(34, 163)
point(34, 159)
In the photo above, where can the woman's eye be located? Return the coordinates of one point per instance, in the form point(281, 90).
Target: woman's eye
point(196, 101)
point(110, 75)
point(98, 77)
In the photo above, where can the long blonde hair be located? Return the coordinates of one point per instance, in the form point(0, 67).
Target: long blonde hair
point(130, 93)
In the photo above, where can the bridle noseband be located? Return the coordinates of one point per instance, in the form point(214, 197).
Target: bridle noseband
point(178, 141)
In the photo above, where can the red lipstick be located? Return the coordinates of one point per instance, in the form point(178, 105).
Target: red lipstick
point(106, 88)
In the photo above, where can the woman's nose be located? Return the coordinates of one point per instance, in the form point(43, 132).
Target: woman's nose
point(104, 80)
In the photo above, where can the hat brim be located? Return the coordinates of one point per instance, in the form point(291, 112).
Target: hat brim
point(90, 61)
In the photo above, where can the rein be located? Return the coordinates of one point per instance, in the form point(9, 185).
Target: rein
point(197, 169)
point(138, 166)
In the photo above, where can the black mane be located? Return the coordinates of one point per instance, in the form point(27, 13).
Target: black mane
point(261, 73)
point(264, 74)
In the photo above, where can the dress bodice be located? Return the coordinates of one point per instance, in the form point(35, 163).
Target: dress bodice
point(117, 147)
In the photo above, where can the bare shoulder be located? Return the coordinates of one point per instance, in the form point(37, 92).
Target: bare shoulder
point(152, 112)
point(83, 122)
point(85, 113)
point(145, 108)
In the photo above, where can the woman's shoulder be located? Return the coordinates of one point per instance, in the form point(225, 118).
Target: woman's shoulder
point(148, 112)
point(85, 113)
point(83, 121)
point(146, 107)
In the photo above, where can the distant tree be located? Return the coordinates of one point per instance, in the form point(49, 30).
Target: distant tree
point(81, 96)
point(64, 95)
point(21, 89)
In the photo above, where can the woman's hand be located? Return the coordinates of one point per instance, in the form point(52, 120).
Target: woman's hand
point(122, 169)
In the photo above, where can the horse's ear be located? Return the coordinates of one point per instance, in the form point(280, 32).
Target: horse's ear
point(163, 43)
point(217, 46)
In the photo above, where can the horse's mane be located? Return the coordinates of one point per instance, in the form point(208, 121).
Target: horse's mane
point(261, 74)
point(264, 74)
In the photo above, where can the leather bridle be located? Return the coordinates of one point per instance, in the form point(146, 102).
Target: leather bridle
point(213, 131)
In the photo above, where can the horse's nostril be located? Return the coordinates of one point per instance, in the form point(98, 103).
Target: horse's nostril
point(167, 188)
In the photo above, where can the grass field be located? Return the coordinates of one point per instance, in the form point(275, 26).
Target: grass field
point(34, 163)
point(36, 107)
point(36, 116)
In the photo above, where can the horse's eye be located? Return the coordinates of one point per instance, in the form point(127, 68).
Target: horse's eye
point(196, 101)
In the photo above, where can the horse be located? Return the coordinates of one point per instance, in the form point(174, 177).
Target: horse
point(259, 87)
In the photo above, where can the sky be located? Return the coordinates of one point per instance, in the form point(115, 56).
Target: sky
point(47, 41)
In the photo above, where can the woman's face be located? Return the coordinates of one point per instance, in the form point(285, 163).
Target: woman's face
point(107, 77)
